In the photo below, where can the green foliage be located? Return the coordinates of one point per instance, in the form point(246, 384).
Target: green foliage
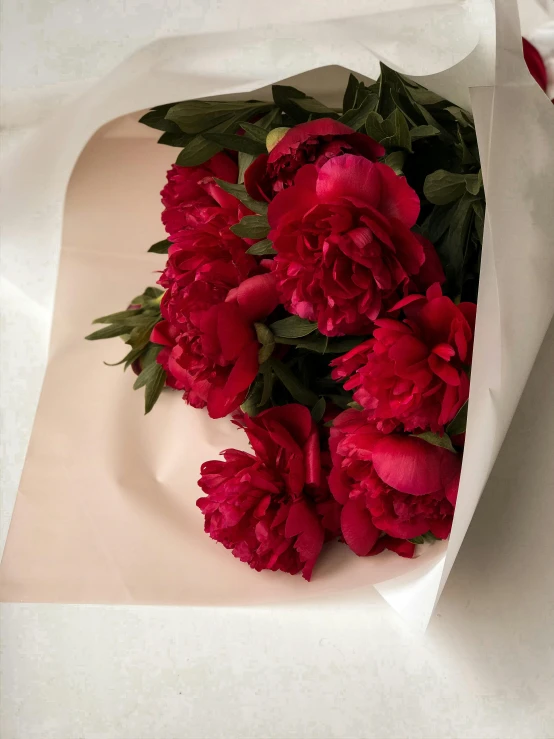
point(134, 326)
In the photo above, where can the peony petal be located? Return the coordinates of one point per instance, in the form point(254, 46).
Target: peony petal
point(257, 296)
point(405, 301)
point(408, 464)
point(372, 183)
point(400, 546)
point(223, 167)
point(338, 484)
point(357, 528)
point(431, 270)
point(444, 370)
point(299, 134)
point(312, 459)
point(435, 319)
point(469, 312)
point(365, 145)
point(295, 418)
point(444, 351)
point(256, 181)
point(161, 334)
point(295, 201)
point(234, 332)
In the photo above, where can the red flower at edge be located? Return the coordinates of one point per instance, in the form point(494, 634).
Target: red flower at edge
point(396, 484)
point(413, 372)
point(271, 508)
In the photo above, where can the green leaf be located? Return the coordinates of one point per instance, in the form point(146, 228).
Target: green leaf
point(479, 210)
point(236, 143)
point(251, 227)
point(356, 406)
point(341, 401)
point(199, 149)
point(251, 404)
point(299, 392)
point(439, 221)
point(267, 341)
point(268, 380)
point(121, 317)
point(428, 537)
point(262, 248)
point(155, 118)
point(422, 132)
point(255, 132)
point(432, 438)
point(390, 132)
point(239, 192)
point(442, 187)
point(351, 93)
point(150, 354)
point(108, 332)
point(454, 245)
point(145, 376)
point(461, 116)
point(423, 96)
point(474, 182)
point(395, 161)
point(154, 387)
point(160, 247)
point(197, 116)
point(298, 105)
point(245, 160)
point(466, 154)
point(151, 293)
point(140, 335)
point(458, 424)
point(401, 135)
point(175, 139)
point(356, 117)
point(318, 411)
point(341, 346)
point(293, 327)
point(270, 120)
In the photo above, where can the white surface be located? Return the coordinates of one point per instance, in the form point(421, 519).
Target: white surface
point(485, 668)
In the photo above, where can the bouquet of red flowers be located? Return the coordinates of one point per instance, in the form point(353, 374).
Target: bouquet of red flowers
point(320, 286)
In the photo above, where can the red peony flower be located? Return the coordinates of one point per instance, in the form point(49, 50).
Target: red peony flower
point(396, 484)
point(207, 247)
point(315, 143)
point(535, 64)
point(271, 508)
point(413, 372)
point(214, 355)
point(345, 251)
point(190, 189)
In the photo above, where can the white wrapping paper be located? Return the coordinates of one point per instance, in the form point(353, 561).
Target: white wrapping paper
point(451, 48)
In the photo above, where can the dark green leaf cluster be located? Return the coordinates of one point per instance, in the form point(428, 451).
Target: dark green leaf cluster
point(134, 326)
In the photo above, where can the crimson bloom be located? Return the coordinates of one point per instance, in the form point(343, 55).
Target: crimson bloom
point(214, 356)
point(189, 189)
point(344, 247)
point(315, 143)
point(535, 64)
point(271, 508)
point(413, 372)
point(396, 484)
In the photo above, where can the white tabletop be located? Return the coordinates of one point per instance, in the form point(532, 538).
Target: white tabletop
point(484, 669)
